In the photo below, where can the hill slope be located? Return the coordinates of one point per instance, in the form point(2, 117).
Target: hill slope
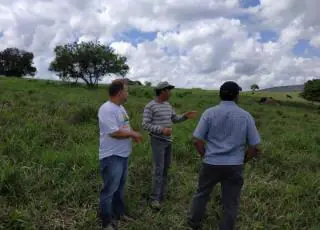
point(288, 88)
point(49, 157)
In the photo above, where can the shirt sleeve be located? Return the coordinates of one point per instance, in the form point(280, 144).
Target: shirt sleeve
point(147, 121)
point(202, 128)
point(108, 120)
point(177, 118)
point(253, 136)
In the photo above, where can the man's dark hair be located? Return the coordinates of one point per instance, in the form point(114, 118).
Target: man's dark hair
point(226, 96)
point(115, 87)
point(229, 91)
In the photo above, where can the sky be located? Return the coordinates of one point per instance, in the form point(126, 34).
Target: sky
point(190, 43)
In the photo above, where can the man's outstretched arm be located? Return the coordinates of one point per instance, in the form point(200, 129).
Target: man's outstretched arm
point(183, 117)
point(177, 118)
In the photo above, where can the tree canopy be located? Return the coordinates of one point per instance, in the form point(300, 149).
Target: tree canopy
point(254, 87)
point(88, 61)
point(16, 63)
point(147, 83)
point(311, 91)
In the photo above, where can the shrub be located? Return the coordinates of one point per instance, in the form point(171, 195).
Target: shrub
point(311, 91)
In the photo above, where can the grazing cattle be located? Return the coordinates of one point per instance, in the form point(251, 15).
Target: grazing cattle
point(288, 96)
point(269, 100)
point(262, 100)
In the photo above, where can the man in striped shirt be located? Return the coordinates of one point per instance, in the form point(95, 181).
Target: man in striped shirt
point(158, 118)
point(225, 137)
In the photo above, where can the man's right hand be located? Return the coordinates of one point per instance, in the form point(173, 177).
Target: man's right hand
point(167, 131)
point(137, 137)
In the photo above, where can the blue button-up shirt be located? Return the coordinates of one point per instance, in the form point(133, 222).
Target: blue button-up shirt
point(226, 129)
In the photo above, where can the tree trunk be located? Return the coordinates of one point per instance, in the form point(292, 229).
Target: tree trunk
point(85, 80)
point(96, 79)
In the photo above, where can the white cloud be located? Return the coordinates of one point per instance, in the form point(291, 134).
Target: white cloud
point(198, 43)
point(315, 41)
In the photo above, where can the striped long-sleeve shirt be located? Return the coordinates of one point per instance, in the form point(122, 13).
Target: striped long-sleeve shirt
point(157, 116)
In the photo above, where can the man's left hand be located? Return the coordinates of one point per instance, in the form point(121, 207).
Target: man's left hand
point(191, 114)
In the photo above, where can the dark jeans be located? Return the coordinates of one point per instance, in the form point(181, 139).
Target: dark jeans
point(161, 151)
point(114, 171)
point(231, 179)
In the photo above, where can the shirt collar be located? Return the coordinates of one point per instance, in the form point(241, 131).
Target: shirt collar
point(227, 103)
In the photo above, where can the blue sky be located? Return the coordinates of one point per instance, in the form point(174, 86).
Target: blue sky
point(249, 3)
point(135, 36)
point(304, 49)
point(268, 35)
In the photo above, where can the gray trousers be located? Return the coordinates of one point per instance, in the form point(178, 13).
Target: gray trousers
point(161, 152)
point(231, 179)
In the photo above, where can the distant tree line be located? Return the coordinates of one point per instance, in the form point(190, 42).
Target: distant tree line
point(90, 61)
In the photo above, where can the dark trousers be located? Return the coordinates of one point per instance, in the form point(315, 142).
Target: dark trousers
point(231, 179)
point(114, 171)
point(161, 152)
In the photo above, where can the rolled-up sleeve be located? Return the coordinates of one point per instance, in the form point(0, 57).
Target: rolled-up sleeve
point(253, 136)
point(202, 128)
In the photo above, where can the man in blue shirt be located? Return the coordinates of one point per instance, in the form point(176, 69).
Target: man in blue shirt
point(115, 147)
point(225, 137)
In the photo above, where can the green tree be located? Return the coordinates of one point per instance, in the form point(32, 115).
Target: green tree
point(88, 61)
point(311, 91)
point(16, 63)
point(254, 87)
point(147, 83)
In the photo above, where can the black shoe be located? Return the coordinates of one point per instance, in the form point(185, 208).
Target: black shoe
point(193, 226)
point(155, 205)
point(127, 218)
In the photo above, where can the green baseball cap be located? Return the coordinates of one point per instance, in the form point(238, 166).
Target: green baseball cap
point(164, 85)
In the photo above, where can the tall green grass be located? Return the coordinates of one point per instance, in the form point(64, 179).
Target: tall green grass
point(49, 174)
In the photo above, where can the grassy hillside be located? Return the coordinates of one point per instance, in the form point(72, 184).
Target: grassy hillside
point(49, 161)
point(279, 96)
point(285, 89)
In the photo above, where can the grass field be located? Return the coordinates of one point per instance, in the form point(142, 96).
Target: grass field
point(49, 175)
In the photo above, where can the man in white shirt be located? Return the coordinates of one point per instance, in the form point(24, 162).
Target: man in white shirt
point(115, 147)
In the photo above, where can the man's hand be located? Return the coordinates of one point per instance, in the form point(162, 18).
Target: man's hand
point(200, 146)
point(167, 131)
point(252, 152)
point(191, 114)
point(136, 137)
point(124, 134)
